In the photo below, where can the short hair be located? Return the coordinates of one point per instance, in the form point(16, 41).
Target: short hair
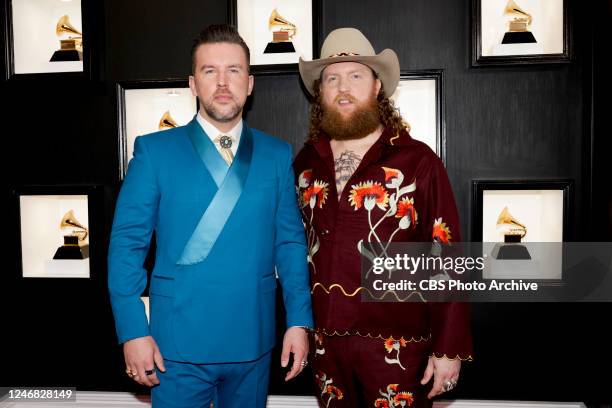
point(219, 33)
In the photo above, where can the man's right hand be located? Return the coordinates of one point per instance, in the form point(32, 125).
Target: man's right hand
point(142, 354)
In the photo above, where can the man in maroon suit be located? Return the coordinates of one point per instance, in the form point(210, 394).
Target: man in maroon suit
point(361, 178)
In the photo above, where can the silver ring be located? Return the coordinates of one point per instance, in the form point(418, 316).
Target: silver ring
point(449, 385)
point(304, 363)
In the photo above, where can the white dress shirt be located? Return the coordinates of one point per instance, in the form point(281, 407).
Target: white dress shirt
point(213, 133)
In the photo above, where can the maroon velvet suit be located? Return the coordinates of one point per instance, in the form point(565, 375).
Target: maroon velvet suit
point(396, 169)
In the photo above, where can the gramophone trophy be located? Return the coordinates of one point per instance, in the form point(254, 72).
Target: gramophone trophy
point(74, 246)
point(167, 122)
point(518, 32)
point(71, 48)
point(513, 232)
point(282, 33)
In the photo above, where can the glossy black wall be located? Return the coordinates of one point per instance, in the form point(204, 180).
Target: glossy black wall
point(515, 122)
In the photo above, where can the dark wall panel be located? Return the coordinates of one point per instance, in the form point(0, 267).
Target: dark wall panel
point(152, 39)
point(289, 117)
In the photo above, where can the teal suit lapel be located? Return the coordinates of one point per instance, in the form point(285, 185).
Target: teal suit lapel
point(214, 163)
point(230, 182)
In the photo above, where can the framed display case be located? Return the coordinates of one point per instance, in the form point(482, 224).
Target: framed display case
point(522, 224)
point(419, 100)
point(541, 206)
point(278, 33)
point(145, 107)
point(58, 230)
point(520, 32)
point(48, 38)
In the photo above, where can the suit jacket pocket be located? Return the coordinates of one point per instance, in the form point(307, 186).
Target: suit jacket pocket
point(268, 283)
point(162, 285)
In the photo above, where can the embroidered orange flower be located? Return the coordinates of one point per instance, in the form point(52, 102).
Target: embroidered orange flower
point(392, 387)
point(381, 403)
point(406, 208)
point(441, 233)
point(305, 178)
point(391, 343)
point(367, 194)
point(316, 194)
point(390, 173)
point(393, 177)
point(404, 399)
point(334, 391)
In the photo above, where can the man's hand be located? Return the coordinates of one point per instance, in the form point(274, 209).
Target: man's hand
point(296, 342)
point(442, 370)
point(142, 354)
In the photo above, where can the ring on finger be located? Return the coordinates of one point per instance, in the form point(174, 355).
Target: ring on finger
point(304, 363)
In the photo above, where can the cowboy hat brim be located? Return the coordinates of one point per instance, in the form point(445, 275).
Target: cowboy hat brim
point(385, 65)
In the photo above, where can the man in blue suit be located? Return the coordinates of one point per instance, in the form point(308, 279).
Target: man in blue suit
point(220, 197)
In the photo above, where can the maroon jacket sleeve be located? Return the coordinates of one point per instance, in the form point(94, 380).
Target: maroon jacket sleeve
point(450, 321)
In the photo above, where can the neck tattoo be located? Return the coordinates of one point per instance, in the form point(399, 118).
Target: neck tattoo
point(345, 165)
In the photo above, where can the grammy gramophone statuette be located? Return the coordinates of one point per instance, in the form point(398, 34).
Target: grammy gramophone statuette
point(513, 232)
point(71, 48)
point(518, 32)
point(167, 122)
point(283, 32)
point(74, 243)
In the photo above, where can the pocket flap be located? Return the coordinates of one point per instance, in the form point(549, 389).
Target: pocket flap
point(162, 286)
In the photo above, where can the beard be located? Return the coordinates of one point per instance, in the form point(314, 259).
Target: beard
point(364, 120)
point(220, 116)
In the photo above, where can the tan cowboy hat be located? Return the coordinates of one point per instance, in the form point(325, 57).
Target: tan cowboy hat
point(350, 45)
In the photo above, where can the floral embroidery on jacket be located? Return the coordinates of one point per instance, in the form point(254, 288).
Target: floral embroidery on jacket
point(392, 344)
point(394, 201)
point(441, 233)
point(325, 384)
point(319, 349)
point(311, 194)
point(393, 398)
point(367, 194)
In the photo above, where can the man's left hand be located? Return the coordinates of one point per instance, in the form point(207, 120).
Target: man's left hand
point(442, 370)
point(296, 342)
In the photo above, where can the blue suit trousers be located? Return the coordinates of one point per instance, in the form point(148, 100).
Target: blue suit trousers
point(230, 385)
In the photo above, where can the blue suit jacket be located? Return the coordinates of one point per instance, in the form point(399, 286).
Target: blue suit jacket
point(223, 308)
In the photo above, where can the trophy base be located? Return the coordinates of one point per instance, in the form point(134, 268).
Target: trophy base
point(279, 47)
point(66, 55)
point(517, 49)
point(63, 268)
point(518, 37)
point(72, 252)
point(510, 252)
point(545, 265)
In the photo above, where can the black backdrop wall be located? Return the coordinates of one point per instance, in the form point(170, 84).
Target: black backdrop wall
point(519, 122)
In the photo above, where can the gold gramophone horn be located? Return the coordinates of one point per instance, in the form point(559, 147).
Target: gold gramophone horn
point(510, 225)
point(167, 122)
point(69, 220)
point(281, 23)
point(512, 9)
point(64, 26)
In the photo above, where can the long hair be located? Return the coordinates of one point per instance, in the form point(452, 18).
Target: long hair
point(389, 116)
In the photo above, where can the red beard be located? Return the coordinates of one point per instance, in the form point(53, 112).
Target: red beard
point(360, 123)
